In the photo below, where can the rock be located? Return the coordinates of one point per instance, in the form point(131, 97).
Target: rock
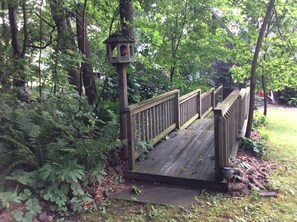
point(250, 171)
point(237, 186)
point(252, 186)
point(258, 184)
point(267, 194)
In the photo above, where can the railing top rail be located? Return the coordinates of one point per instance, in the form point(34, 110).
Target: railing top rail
point(219, 88)
point(227, 103)
point(189, 95)
point(207, 93)
point(146, 104)
point(242, 92)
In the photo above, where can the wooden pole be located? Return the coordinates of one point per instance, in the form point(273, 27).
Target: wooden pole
point(123, 97)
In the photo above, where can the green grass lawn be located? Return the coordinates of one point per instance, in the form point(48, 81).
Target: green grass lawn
point(282, 141)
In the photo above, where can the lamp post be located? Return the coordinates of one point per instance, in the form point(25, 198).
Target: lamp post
point(120, 52)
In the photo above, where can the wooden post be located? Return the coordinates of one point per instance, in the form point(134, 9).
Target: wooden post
point(123, 97)
point(130, 148)
point(219, 143)
point(213, 98)
point(177, 110)
point(199, 104)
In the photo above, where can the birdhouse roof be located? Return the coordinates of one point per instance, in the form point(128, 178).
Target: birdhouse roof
point(118, 37)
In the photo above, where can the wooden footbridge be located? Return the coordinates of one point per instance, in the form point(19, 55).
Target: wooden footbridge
point(193, 136)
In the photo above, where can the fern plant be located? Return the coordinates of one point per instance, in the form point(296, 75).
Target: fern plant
point(57, 144)
point(34, 134)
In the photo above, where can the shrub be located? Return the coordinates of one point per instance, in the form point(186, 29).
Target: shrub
point(256, 147)
point(259, 120)
point(57, 144)
point(289, 96)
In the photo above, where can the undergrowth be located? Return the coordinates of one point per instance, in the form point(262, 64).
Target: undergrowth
point(256, 144)
point(256, 147)
point(52, 150)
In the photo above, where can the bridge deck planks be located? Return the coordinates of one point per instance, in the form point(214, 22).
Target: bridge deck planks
point(188, 155)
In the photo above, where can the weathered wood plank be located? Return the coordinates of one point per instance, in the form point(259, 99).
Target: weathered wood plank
point(163, 153)
point(177, 160)
point(200, 160)
point(149, 103)
point(164, 157)
point(205, 184)
point(197, 147)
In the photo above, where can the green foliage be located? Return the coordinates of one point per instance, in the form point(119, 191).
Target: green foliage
point(289, 96)
point(58, 144)
point(8, 198)
point(256, 147)
point(31, 204)
point(276, 60)
point(59, 129)
point(259, 120)
point(293, 102)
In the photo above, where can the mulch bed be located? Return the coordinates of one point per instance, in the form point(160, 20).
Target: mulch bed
point(251, 173)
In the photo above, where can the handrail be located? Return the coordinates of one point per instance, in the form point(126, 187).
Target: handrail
point(226, 105)
point(189, 95)
point(146, 104)
point(229, 122)
point(207, 93)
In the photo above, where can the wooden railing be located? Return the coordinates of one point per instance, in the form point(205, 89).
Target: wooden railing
point(189, 107)
point(229, 119)
point(151, 120)
point(218, 95)
point(207, 103)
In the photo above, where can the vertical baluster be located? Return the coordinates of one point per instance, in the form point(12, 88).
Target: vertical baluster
point(166, 114)
point(170, 111)
point(153, 120)
point(147, 130)
point(160, 119)
point(177, 110)
point(199, 104)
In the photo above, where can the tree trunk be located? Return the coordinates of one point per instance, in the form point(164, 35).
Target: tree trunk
point(19, 76)
point(254, 67)
point(84, 47)
point(66, 40)
point(5, 29)
point(127, 17)
point(265, 94)
point(172, 70)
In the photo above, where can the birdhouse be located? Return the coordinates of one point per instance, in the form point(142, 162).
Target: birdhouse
point(120, 48)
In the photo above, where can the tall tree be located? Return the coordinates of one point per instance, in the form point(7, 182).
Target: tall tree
point(66, 40)
point(127, 17)
point(18, 49)
point(254, 67)
point(84, 47)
